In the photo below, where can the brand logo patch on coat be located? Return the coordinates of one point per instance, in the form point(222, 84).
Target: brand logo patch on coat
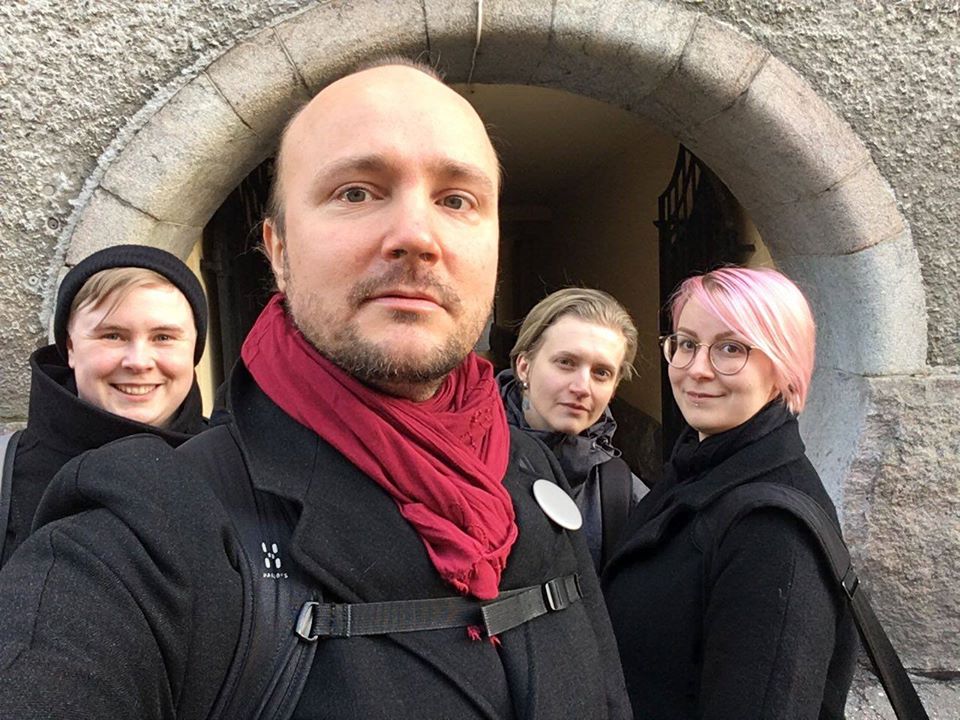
point(272, 561)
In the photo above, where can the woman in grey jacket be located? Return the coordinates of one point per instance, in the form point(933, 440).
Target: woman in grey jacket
point(573, 350)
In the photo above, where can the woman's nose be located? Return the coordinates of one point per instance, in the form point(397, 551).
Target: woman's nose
point(137, 357)
point(580, 383)
point(701, 366)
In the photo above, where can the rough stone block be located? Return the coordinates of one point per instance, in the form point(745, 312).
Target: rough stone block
point(451, 36)
point(108, 221)
point(854, 214)
point(14, 381)
point(260, 83)
point(779, 142)
point(831, 424)
point(187, 158)
point(716, 67)
point(643, 40)
point(867, 700)
point(329, 39)
point(902, 514)
point(869, 305)
point(888, 454)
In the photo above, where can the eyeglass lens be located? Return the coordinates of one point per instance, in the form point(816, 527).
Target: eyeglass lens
point(728, 357)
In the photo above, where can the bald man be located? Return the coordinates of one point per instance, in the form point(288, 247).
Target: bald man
point(366, 537)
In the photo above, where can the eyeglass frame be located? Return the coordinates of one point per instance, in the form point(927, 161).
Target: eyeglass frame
point(709, 346)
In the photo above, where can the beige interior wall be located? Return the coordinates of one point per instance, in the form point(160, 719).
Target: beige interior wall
point(204, 370)
point(606, 239)
point(749, 235)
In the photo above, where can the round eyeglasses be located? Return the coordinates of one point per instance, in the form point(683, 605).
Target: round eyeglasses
point(728, 357)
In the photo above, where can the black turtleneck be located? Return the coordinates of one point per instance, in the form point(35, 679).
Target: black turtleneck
point(61, 426)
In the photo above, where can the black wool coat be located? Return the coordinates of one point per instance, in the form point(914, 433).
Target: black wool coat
point(130, 592)
point(61, 426)
point(730, 623)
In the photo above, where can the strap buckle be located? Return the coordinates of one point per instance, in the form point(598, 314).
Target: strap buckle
point(559, 593)
point(304, 627)
point(850, 582)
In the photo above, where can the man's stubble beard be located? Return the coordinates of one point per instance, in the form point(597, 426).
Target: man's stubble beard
point(419, 374)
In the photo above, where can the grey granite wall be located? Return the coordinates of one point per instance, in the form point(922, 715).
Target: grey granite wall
point(891, 70)
point(75, 80)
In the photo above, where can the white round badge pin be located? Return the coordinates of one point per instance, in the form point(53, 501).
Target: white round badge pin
point(557, 505)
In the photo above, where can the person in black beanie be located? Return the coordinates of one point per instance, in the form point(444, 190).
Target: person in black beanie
point(129, 328)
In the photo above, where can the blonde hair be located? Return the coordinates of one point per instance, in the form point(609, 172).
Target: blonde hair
point(114, 284)
point(594, 306)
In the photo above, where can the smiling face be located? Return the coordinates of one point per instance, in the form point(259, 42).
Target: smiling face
point(712, 403)
point(572, 375)
point(136, 359)
point(388, 252)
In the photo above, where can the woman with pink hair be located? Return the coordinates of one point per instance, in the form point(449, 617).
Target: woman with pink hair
point(719, 617)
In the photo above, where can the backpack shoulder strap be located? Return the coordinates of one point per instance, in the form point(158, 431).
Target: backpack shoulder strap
point(740, 501)
point(8, 451)
point(271, 664)
point(284, 615)
point(616, 485)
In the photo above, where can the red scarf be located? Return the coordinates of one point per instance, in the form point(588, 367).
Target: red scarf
point(441, 460)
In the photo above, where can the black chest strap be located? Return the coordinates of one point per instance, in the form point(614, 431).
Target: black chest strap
point(616, 493)
point(512, 608)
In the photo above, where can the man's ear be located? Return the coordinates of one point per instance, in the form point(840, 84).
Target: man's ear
point(273, 246)
point(70, 361)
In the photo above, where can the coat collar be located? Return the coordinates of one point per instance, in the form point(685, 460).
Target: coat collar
point(652, 517)
point(71, 425)
point(340, 504)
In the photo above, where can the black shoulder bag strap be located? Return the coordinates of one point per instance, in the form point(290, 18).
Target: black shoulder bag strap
point(743, 499)
point(8, 451)
point(271, 663)
point(616, 490)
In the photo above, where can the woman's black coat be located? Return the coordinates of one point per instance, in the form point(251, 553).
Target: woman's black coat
point(61, 426)
point(730, 622)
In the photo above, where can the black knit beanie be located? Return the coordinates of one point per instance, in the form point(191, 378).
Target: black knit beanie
point(140, 256)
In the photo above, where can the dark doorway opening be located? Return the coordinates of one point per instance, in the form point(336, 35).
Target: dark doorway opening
point(237, 275)
point(699, 226)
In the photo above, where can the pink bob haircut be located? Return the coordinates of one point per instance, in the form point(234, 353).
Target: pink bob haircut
point(769, 312)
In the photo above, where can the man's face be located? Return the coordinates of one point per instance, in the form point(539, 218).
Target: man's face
point(388, 258)
point(136, 359)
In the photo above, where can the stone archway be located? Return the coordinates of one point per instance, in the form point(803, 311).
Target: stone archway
point(828, 217)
